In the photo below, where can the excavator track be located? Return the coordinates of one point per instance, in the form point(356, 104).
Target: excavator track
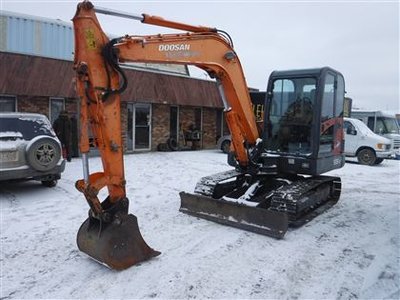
point(206, 185)
point(307, 198)
point(264, 204)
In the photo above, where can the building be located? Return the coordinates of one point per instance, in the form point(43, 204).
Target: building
point(161, 101)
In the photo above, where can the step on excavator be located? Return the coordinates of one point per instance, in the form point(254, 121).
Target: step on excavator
point(275, 181)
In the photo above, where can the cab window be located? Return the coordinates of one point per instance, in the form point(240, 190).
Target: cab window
point(291, 115)
point(327, 114)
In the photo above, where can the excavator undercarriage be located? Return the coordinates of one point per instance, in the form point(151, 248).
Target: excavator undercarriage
point(265, 204)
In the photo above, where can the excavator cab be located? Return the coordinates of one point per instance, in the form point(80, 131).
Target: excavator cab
point(303, 126)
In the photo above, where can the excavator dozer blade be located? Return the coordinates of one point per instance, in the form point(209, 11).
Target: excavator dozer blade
point(254, 219)
point(117, 244)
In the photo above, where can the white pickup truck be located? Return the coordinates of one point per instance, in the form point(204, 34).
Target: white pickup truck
point(361, 142)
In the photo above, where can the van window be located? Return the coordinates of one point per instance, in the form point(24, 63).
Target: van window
point(371, 123)
point(386, 125)
point(348, 126)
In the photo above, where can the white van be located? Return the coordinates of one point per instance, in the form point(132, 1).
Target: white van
point(361, 142)
point(381, 123)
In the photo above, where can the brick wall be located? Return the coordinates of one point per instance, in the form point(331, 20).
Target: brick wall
point(33, 104)
point(41, 105)
point(209, 127)
point(160, 119)
point(160, 124)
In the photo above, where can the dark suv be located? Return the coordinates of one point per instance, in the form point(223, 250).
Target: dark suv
point(29, 149)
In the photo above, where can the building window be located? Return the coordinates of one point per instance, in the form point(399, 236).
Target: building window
point(142, 133)
point(8, 103)
point(198, 118)
point(130, 126)
point(139, 126)
point(56, 106)
point(173, 122)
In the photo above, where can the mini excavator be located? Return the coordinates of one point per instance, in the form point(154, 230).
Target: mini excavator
point(275, 181)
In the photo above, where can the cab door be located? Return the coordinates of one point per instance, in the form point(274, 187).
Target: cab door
point(351, 139)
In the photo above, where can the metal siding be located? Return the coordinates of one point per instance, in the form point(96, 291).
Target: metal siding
point(56, 42)
point(23, 35)
point(20, 35)
point(45, 37)
point(3, 33)
point(38, 37)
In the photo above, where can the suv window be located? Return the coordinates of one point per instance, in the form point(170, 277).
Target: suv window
point(28, 126)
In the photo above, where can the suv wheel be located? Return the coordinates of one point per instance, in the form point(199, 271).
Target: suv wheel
point(366, 157)
point(43, 154)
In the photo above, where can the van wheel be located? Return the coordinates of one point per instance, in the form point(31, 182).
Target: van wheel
point(366, 157)
point(378, 161)
point(226, 146)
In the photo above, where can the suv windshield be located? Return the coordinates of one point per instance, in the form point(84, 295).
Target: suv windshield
point(25, 127)
point(291, 115)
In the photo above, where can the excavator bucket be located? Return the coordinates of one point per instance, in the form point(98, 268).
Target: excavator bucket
point(116, 243)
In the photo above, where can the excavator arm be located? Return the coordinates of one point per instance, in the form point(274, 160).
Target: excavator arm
point(204, 48)
point(99, 82)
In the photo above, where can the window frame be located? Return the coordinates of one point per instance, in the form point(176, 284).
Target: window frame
point(11, 97)
point(51, 99)
point(177, 122)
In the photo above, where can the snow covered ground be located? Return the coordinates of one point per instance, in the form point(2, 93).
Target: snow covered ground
point(351, 251)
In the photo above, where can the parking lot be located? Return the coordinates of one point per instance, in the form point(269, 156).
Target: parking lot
point(351, 251)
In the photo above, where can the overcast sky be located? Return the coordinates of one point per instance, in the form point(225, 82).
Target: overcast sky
point(358, 38)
